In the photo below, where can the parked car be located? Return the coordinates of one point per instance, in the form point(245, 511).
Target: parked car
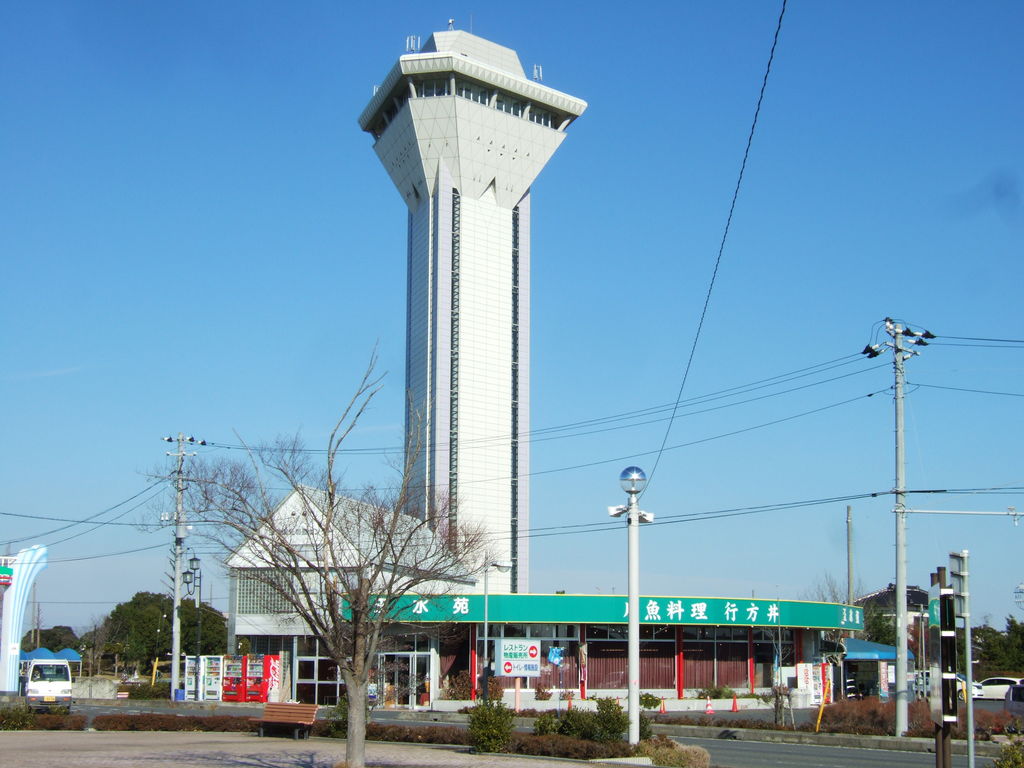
point(961, 688)
point(996, 687)
point(1014, 701)
point(47, 683)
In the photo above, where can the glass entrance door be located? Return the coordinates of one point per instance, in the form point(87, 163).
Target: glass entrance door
point(403, 679)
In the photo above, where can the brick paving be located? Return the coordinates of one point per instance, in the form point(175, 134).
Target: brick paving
point(137, 749)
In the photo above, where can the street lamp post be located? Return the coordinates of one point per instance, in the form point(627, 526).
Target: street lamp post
point(503, 568)
point(633, 481)
point(193, 580)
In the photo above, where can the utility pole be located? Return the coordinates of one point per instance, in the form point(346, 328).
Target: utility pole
point(849, 557)
point(902, 697)
point(180, 531)
point(897, 332)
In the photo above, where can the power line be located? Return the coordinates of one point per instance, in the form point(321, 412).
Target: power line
point(109, 554)
point(976, 346)
point(964, 389)
point(546, 433)
point(665, 449)
point(721, 247)
point(977, 338)
point(90, 518)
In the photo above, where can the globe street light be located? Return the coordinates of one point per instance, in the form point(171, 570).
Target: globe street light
point(633, 481)
point(193, 580)
point(503, 568)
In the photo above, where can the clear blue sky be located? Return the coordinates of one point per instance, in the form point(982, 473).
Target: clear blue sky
point(197, 237)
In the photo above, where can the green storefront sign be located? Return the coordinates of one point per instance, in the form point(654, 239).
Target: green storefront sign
point(612, 609)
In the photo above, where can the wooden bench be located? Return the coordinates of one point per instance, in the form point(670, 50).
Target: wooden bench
point(298, 717)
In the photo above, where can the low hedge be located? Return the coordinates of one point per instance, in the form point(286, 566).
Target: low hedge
point(156, 722)
point(20, 718)
point(557, 745)
point(424, 734)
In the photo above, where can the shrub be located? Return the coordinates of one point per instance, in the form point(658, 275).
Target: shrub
point(649, 701)
point(147, 691)
point(52, 722)
point(21, 718)
point(715, 692)
point(460, 687)
point(987, 723)
point(153, 722)
point(541, 693)
point(664, 751)
point(646, 732)
point(490, 726)
point(579, 724)
point(425, 734)
point(546, 723)
point(557, 745)
point(612, 722)
point(18, 718)
point(1010, 756)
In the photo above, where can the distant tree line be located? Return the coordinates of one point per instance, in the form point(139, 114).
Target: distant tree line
point(135, 635)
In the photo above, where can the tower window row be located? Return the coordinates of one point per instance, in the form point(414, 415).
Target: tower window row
point(474, 91)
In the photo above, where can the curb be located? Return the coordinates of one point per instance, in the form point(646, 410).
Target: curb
point(899, 744)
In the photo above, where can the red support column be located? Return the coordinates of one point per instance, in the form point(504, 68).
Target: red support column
point(680, 664)
point(582, 663)
point(750, 658)
point(798, 646)
point(473, 672)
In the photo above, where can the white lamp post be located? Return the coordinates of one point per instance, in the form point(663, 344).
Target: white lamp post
point(633, 481)
point(503, 568)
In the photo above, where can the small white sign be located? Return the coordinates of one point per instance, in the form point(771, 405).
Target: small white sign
point(518, 658)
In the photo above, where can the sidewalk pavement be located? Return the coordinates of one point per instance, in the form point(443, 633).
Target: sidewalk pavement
point(138, 749)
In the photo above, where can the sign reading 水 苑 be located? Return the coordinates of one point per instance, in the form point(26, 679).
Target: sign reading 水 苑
point(518, 658)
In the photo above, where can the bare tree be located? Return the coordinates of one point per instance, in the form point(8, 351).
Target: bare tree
point(340, 564)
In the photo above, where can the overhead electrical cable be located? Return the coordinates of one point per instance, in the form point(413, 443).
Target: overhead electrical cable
point(736, 390)
point(965, 389)
point(721, 246)
point(155, 486)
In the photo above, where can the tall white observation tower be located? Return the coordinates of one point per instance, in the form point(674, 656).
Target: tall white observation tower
point(463, 133)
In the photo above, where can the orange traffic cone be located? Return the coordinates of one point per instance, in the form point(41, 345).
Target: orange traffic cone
point(709, 710)
point(662, 710)
point(735, 706)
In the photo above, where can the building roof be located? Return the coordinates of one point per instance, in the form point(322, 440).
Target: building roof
point(473, 47)
point(865, 650)
point(917, 598)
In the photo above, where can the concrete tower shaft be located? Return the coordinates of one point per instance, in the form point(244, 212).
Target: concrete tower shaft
point(463, 134)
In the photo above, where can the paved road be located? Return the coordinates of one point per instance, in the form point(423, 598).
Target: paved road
point(760, 754)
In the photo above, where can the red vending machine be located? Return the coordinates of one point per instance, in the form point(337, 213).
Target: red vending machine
point(234, 678)
point(262, 677)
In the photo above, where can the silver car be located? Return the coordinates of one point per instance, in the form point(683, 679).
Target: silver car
point(1013, 704)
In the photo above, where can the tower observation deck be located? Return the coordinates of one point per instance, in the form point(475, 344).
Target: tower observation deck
point(463, 134)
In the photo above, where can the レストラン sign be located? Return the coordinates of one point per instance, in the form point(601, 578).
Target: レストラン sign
point(518, 658)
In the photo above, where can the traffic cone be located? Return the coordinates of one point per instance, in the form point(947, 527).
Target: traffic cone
point(568, 703)
point(662, 710)
point(735, 705)
point(709, 710)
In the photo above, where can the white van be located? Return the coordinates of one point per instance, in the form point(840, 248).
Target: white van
point(47, 683)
